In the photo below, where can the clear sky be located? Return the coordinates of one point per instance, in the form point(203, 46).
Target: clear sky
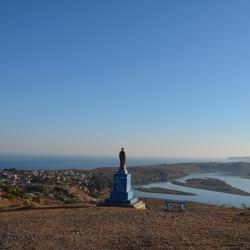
point(162, 77)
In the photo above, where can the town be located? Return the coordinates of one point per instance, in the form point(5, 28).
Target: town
point(46, 187)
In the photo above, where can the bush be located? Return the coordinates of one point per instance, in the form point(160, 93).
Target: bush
point(27, 203)
point(59, 197)
point(36, 199)
point(8, 189)
point(9, 196)
point(34, 188)
point(13, 191)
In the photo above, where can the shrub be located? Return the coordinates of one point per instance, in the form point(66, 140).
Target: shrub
point(27, 203)
point(36, 199)
point(34, 188)
point(9, 196)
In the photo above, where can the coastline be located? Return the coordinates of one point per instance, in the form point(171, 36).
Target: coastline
point(76, 185)
point(163, 191)
point(211, 184)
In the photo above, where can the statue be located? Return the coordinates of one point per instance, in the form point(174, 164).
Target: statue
point(122, 156)
point(122, 194)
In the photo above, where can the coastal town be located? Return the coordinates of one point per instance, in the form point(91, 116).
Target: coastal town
point(24, 177)
point(22, 187)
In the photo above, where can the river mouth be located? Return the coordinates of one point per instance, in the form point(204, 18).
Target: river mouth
point(203, 195)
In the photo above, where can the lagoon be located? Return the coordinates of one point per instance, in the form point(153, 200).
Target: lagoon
point(204, 196)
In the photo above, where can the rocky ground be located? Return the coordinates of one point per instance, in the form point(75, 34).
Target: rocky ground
point(200, 227)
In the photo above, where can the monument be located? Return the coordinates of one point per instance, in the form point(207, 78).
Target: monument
point(122, 193)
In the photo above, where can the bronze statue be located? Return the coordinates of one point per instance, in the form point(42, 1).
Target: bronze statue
point(122, 157)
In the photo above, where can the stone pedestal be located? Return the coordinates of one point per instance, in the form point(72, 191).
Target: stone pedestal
point(122, 194)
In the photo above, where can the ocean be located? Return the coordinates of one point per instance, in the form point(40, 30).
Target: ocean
point(27, 162)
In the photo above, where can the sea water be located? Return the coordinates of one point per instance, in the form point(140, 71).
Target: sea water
point(82, 162)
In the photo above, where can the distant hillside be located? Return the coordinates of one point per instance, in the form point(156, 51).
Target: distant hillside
point(166, 172)
point(242, 158)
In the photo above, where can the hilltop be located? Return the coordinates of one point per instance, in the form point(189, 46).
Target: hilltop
point(199, 227)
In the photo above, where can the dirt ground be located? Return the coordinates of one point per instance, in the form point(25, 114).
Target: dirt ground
point(199, 227)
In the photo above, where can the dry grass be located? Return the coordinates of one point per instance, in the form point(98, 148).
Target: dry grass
point(201, 227)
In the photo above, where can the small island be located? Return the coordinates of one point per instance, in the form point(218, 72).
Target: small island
point(211, 184)
point(163, 191)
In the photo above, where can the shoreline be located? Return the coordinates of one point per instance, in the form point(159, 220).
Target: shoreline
point(211, 184)
point(163, 191)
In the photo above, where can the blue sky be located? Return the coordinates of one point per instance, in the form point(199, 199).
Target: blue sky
point(161, 78)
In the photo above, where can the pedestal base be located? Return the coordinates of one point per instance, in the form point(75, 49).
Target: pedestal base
point(122, 195)
point(137, 205)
